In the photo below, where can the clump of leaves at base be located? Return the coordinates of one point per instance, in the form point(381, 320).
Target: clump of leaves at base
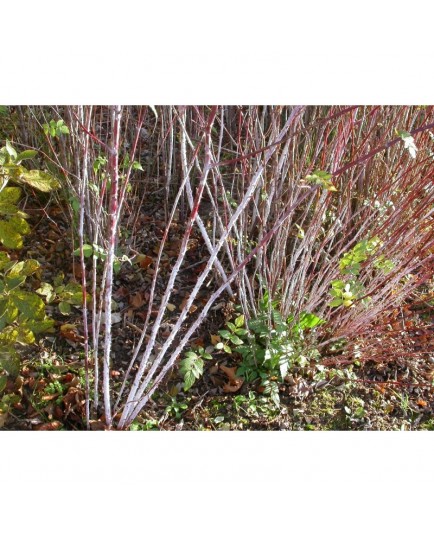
point(269, 347)
point(65, 295)
point(191, 367)
point(272, 345)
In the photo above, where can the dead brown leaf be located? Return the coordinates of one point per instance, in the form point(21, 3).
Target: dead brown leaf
point(235, 383)
point(182, 305)
point(215, 339)
point(137, 300)
point(53, 425)
point(144, 261)
point(97, 425)
point(70, 332)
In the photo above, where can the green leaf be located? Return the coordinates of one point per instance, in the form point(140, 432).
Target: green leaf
point(197, 368)
point(239, 321)
point(309, 321)
point(117, 265)
point(40, 180)
point(227, 349)
point(12, 283)
point(26, 155)
point(10, 194)
point(9, 237)
point(336, 302)
point(10, 150)
point(64, 129)
point(29, 304)
point(39, 326)
point(9, 210)
point(72, 293)
point(408, 140)
point(46, 290)
point(258, 326)
point(189, 380)
point(8, 312)
point(137, 165)
point(25, 336)
point(236, 340)
point(87, 251)
point(241, 331)
point(23, 268)
point(64, 308)
point(225, 334)
point(16, 269)
point(30, 267)
point(20, 224)
point(4, 259)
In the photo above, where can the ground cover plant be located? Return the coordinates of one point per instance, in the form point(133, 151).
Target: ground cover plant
point(221, 267)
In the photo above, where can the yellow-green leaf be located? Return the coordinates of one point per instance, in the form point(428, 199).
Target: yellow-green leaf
point(26, 155)
point(29, 304)
point(10, 194)
point(40, 180)
point(25, 336)
point(64, 308)
point(9, 236)
point(39, 326)
point(4, 259)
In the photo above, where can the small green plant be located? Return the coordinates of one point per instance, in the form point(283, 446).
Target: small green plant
point(191, 367)
point(232, 334)
point(65, 295)
point(97, 252)
point(270, 346)
point(323, 179)
point(345, 293)
point(55, 129)
point(150, 424)
point(355, 408)
point(347, 290)
point(175, 408)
